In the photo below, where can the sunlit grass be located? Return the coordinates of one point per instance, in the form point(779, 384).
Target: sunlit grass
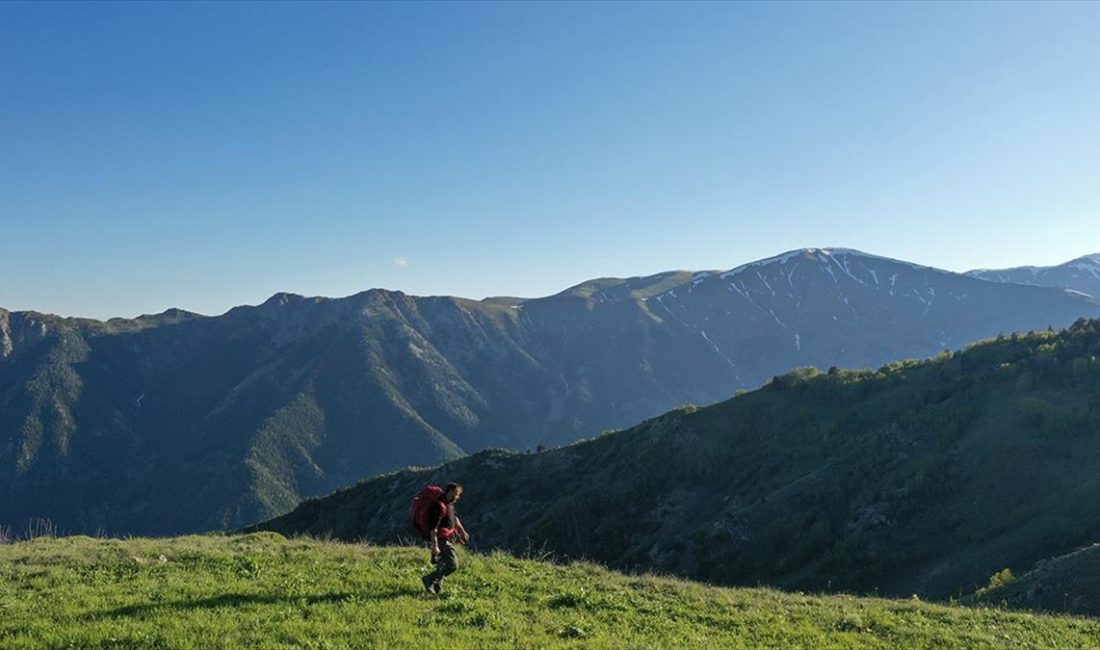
point(262, 590)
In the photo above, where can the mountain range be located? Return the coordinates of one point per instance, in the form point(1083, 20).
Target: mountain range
point(926, 478)
point(178, 422)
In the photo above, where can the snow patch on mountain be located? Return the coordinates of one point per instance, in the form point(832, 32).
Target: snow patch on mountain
point(778, 259)
point(699, 277)
point(842, 257)
point(1089, 267)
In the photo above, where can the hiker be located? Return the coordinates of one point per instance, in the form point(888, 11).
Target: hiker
point(443, 529)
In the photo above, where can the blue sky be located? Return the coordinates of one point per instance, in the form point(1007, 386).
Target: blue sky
point(208, 155)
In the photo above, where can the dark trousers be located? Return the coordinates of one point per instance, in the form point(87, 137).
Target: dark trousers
point(447, 565)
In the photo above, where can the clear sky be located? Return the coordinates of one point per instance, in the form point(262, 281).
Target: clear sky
point(208, 155)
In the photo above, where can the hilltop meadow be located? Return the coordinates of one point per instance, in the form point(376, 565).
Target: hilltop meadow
point(263, 590)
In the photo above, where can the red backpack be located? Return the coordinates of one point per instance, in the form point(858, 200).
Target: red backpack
point(421, 511)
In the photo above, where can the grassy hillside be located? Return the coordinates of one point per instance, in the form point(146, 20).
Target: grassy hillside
point(262, 590)
point(917, 478)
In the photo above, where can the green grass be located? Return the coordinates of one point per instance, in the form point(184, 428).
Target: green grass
point(262, 590)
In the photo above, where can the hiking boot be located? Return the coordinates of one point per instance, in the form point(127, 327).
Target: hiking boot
point(429, 585)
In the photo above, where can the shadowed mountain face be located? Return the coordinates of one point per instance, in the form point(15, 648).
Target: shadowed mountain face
point(179, 422)
point(919, 478)
point(1081, 274)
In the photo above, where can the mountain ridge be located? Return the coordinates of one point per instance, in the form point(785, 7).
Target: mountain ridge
point(680, 276)
point(1081, 274)
point(677, 279)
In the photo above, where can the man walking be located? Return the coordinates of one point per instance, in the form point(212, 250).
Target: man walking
point(445, 529)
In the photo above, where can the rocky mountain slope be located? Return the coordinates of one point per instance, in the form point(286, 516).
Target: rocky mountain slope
point(1068, 583)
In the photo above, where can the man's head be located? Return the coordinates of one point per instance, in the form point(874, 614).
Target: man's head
point(452, 493)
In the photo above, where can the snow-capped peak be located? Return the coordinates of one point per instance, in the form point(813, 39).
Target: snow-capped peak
point(1089, 264)
point(824, 255)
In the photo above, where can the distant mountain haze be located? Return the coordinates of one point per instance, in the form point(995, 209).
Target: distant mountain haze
point(178, 422)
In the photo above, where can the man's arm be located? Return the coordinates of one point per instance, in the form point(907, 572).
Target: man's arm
point(434, 541)
point(461, 530)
